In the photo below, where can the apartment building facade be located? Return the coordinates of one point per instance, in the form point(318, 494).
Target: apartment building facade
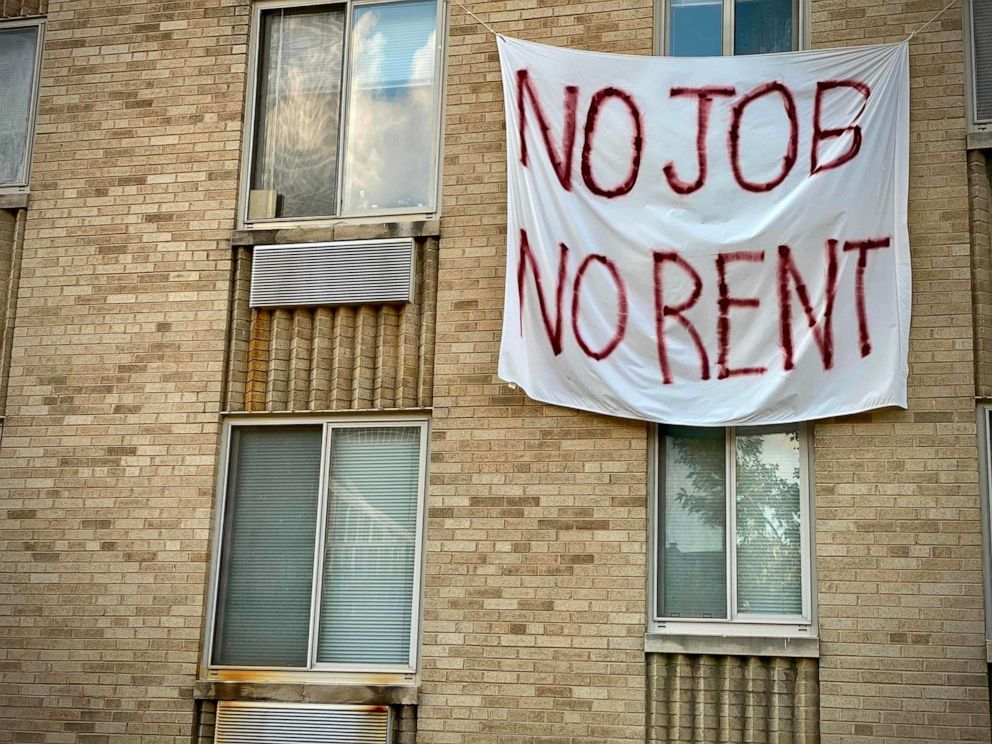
point(259, 480)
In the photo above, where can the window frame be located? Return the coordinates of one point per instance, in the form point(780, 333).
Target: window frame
point(328, 423)
point(250, 119)
point(663, 8)
point(974, 125)
point(736, 623)
point(984, 432)
point(24, 185)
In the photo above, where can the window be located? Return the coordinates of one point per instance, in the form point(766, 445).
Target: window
point(978, 46)
point(732, 544)
point(20, 60)
point(344, 115)
point(320, 546)
point(705, 28)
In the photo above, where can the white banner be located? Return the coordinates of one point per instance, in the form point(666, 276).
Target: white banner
point(707, 241)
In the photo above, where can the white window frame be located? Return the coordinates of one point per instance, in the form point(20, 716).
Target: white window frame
point(24, 186)
point(328, 424)
point(984, 430)
point(248, 139)
point(663, 8)
point(971, 102)
point(736, 623)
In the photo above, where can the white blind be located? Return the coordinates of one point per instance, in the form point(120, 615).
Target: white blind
point(982, 27)
point(693, 555)
point(769, 565)
point(18, 48)
point(369, 556)
point(263, 611)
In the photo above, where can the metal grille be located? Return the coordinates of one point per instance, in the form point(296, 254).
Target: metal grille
point(981, 24)
point(283, 723)
point(343, 273)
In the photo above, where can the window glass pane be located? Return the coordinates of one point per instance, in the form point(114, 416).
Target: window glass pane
point(371, 539)
point(694, 502)
point(769, 568)
point(18, 48)
point(762, 26)
point(389, 160)
point(263, 604)
point(299, 88)
point(695, 28)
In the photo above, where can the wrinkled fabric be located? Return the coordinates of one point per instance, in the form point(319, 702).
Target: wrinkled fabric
point(769, 284)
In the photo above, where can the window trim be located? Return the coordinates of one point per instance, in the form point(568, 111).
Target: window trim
point(739, 624)
point(250, 118)
point(974, 125)
point(662, 8)
point(327, 423)
point(984, 431)
point(24, 185)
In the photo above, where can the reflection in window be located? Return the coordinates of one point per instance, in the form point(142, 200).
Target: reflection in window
point(391, 104)
point(747, 482)
point(18, 53)
point(705, 28)
point(299, 87)
point(763, 26)
point(695, 28)
point(694, 554)
point(769, 565)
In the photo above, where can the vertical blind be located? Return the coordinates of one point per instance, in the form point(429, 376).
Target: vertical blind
point(367, 599)
point(270, 544)
point(18, 51)
point(263, 611)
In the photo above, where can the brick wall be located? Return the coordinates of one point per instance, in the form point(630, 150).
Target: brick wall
point(898, 528)
point(980, 187)
point(108, 456)
point(536, 561)
point(535, 586)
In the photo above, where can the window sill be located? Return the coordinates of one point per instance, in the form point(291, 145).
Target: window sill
point(340, 231)
point(722, 645)
point(14, 200)
point(980, 140)
point(306, 692)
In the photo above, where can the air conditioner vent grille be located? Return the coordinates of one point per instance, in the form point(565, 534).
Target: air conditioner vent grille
point(346, 273)
point(282, 723)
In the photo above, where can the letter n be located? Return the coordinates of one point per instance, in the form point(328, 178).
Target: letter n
point(562, 164)
point(552, 327)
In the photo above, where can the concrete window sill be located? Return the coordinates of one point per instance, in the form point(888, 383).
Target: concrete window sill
point(714, 645)
point(14, 200)
point(340, 231)
point(306, 692)
point(979, 140)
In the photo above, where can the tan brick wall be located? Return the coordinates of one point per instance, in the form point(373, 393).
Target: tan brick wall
point(107, 463)
point(535, 587)
point(536, 568)
point(898, 533)
point(980, 186)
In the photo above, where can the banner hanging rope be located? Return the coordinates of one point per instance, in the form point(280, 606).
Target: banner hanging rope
point(911, 36)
